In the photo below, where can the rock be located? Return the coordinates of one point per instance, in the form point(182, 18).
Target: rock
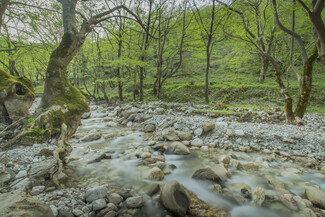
point(207, 173)
point(198, 132)
point(77, 212)
point(316, 196)
point(222, 171)
point(111, 124)
point(134, 202)
point(5, 177)
point(110, 135)
point(21, 184)
point(131, 117)
point(98, 204)
point(258, 196)
point(95, 193)
point(37, 190)
point(111, 214)
point(111, 207)
point(178, 148)
point(216, 188)
point(239, 133)
point(54, 210)
point(145, 155)
point(149, 128)
point(288, 201)
point(174, 198)
point(42, 169)
point(274, 182)
point(205, 148)
point(151, 189)
point(170, 135)
point(225, 159)
point(184, 135)
point(19, 204)
point(91, 137)
point(197, 142)
point(247, 166)
point(63, 213)
point(115, 198)
point(156, 174)
point(208, 126)
point(21, 174)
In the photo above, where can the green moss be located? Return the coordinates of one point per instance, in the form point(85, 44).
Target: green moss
point(72, 98)
point(7, 81)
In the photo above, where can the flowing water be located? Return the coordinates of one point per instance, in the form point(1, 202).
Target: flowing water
point(121, 165)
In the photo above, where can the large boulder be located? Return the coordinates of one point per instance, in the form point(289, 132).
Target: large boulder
point(19, 204)
point(174, 198)
point(178, 148)
point(16, 97)
point(316, 196)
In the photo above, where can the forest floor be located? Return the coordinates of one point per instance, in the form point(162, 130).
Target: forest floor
point(127, 148)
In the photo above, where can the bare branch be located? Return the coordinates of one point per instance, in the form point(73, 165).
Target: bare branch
point(292, 33)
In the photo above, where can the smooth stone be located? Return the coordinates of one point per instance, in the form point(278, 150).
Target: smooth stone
point(184, 135)
point(134, 202)
point(207, 173)
point(174, 198)
point(115, 198)
point(156, 174)
point(99, 204)
point(178, 148)
point(91, 137)
point(197, 142)
point(95, 193)
point(198, 132)
point(316, 196)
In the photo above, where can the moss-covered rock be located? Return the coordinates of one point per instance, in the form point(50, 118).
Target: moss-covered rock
point(201, 208)
point(16, 96)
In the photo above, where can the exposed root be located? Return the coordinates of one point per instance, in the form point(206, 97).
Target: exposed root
point(41, 129)
point(59, 153)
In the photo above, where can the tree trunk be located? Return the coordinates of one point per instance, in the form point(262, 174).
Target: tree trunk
point(57, 89)
point(306, 85)
point(3, 6)
point(283, 89)
point(206, 90)
point(264, 68)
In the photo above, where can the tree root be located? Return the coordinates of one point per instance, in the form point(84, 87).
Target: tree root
point(59, 153)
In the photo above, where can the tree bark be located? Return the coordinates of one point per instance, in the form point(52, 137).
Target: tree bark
point(306, 85)
point(3, 7)
point(264, 68)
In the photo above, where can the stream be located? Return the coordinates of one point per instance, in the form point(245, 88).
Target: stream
point(118, 158)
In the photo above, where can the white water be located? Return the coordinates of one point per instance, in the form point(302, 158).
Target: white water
point(123, 169)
